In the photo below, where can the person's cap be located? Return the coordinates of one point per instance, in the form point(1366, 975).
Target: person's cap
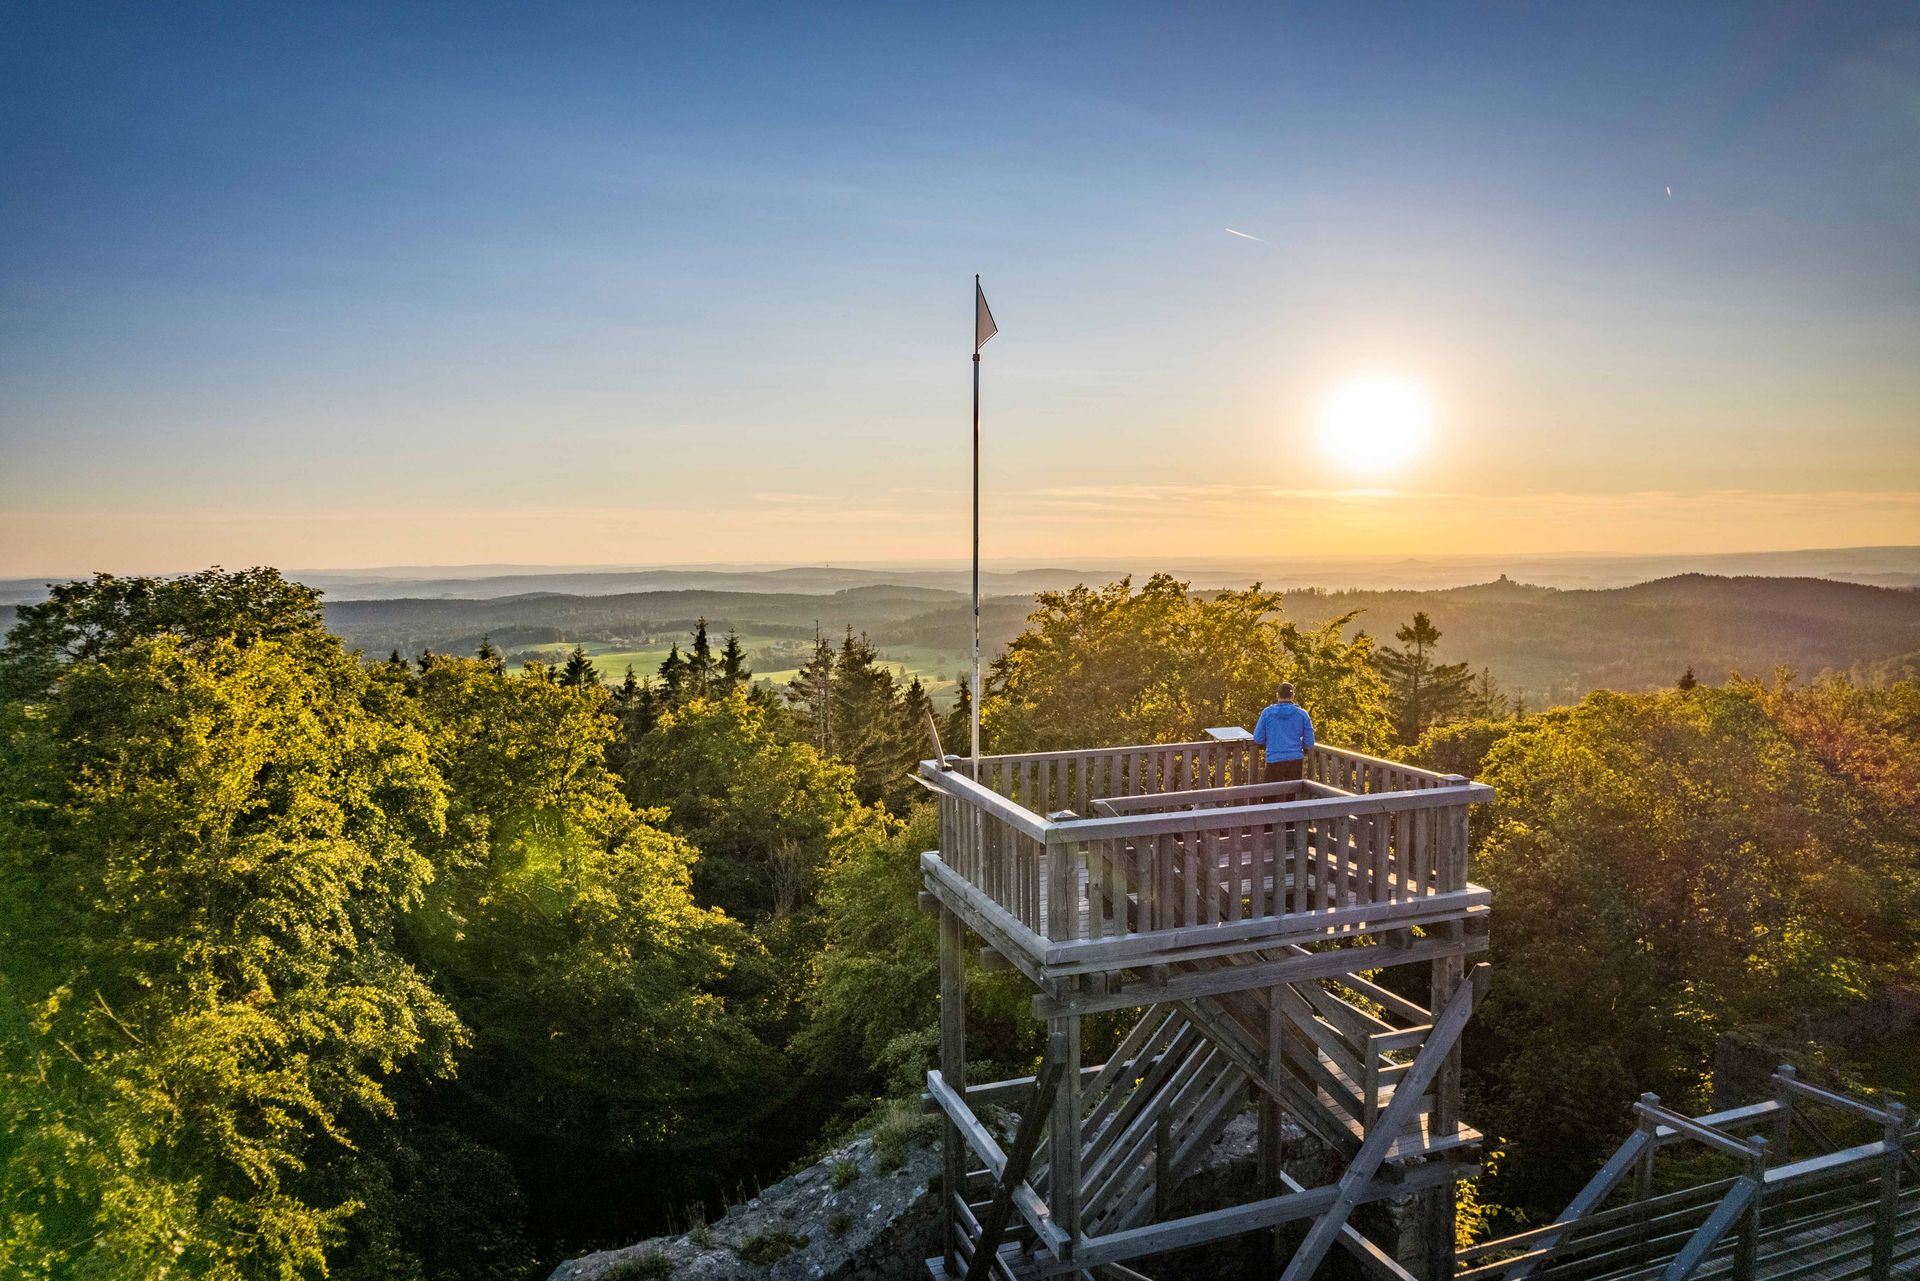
point(1286, 690)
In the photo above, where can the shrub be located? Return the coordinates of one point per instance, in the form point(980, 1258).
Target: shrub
point(769, 1247)
point(898, 1128)
point(843, 1173)
point(651, 1266)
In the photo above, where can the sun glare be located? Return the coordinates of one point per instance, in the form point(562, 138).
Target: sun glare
point(1377, 422)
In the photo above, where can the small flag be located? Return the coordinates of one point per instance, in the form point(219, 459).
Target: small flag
point(983, 326)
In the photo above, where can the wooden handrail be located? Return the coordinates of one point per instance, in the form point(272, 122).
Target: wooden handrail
point(984, 798)
point(1106, 829)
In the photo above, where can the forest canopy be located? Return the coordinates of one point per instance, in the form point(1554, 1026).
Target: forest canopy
point(422, 968)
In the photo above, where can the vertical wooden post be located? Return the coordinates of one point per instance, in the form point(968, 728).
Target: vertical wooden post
point(1448, 973)
point(1062, 890)
point(1643, 1169)
point(1162, 1164)
point(1783, 1122)
point(1273, 1154)
point(1746, 1251)
point(1893, 1131)
point(953, 1066)
point(1063, 1160)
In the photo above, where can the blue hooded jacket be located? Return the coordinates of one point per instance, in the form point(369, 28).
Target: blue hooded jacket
point(1285, 730)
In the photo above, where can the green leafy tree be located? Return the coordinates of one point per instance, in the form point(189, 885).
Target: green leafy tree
point(206, 839)
point(566, 930)
point(877, 975)
point(765, 813)
point(1112, 666)
point(1672, 870)
point(1421, 690)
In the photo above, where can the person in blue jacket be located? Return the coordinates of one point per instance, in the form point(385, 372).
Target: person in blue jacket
point(1286, 731)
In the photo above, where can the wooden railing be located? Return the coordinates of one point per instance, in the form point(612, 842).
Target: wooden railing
point(1046, 782)
point(1091, 856)
point(1842, 1205)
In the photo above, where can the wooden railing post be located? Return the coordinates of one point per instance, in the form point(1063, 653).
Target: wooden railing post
point(1783, 1095)
point(1886, 1220)
point(1746, 1251)
point(1643, 1167)
point(1162, 1164)
point(953, 1067)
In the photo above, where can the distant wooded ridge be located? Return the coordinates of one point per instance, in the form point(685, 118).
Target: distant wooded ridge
point(1543, 644)
point(1881, 566)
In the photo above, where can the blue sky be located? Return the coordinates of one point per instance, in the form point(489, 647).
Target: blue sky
point(337, 285)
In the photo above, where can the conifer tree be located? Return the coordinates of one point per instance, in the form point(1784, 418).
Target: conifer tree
point(1486, 699)
point(579, 672)
point(916, 708)
point(1687, 680)
point(1420, 691)
point(673, 677)
point(957, 734)
point(733, 662)
point(809, 693)
point(700, 663)
point(627, 693)
point(869, 733)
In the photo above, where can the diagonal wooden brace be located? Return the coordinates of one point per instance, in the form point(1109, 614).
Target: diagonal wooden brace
point(1447, 1026)
point(1032, 1125)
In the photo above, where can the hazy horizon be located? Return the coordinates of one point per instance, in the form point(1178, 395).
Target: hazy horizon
point(363, 285)
point(1892, 566)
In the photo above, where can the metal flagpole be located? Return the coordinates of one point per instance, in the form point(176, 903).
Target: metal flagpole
point(976, 531)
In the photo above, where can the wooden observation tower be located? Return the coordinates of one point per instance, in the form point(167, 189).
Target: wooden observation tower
point(1237, 921)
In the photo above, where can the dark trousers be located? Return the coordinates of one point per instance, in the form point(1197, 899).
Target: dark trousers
point(1285, 771)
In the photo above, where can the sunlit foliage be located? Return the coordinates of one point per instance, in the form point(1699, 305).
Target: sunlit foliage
point(1109, 666)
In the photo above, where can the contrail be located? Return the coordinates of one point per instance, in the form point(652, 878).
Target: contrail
point(1243, 235)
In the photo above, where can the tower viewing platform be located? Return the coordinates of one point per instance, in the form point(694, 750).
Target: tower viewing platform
point(1247, 922)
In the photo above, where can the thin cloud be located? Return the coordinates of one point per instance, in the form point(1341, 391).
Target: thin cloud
point(1243, 235)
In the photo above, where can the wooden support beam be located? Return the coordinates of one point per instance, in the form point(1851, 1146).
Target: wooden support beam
point(1447, 1026)
point(1214, 1225)
point(1197, 942)
point(1032, 1121)
point(1708, 1235)
point(953, 1068)
point(1063, 1173)
point(1439, 1207)
point(1886, 1220)
point(1372, 1258)
point(986, 918)
point(1297, 965)
point(987, 1148)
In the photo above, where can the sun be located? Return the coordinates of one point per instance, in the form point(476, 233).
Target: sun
point(1376, 422)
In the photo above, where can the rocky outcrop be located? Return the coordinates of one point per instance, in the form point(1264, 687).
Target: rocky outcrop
point(846, 1218)
point(841, 1219)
